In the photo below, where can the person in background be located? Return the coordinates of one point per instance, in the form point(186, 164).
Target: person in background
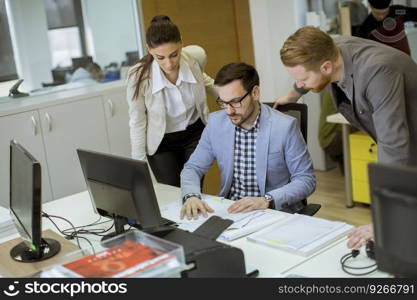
point(385, 24)
point(373, 86)
point(358, 14)
point(166, 93)
point(92, 73)
point(261, 154)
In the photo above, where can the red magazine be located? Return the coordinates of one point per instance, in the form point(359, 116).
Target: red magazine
point(122, 260)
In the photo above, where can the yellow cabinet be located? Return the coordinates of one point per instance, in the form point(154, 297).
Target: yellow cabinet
point(363, 150)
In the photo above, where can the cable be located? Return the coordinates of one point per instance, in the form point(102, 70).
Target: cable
point(98, 232)
point(94, 223)
point(74, 233)
point(345, 267)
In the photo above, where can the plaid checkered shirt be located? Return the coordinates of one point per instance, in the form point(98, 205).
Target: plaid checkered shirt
point(245, 183)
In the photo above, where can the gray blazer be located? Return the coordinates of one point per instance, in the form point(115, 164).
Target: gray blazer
point(283, 165)
point(378, 95)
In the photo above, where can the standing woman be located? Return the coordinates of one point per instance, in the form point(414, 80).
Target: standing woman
point(167, 101)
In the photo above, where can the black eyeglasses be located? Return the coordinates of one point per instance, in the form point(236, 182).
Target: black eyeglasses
point(235, 103)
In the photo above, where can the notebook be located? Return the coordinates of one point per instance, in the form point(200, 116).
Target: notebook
point(303, 235)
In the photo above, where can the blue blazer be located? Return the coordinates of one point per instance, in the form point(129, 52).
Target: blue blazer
point(283, 165)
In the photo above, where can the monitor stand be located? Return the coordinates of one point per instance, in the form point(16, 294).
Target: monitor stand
point(119, 227)
point(23, 253)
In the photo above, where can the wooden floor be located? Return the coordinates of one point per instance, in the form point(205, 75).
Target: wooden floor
point(330, 193)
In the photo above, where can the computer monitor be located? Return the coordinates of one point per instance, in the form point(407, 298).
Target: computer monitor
point(81, 62)
point(121, 188)
point(26, 207)
point(132, 57)
point(394, 213)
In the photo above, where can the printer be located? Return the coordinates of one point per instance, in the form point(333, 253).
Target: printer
point(204, 256)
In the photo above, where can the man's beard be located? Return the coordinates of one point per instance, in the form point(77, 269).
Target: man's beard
point(243, 118)
point(324, 82)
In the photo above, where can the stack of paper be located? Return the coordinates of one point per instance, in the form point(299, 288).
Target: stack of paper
point(7, 226)
point(301, 234)
point(243, 223)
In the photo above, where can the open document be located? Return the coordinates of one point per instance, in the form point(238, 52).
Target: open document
point(302, 234)
point(243, 223)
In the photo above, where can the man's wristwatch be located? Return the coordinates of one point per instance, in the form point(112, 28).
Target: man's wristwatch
point(270, 199)
point(190, 195)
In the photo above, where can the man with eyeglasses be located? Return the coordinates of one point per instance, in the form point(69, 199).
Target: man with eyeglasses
point(262, 156)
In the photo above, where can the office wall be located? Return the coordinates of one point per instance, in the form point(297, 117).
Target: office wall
point(111, 29)
point(272, 23)
point(221, 27)
point(28, 29)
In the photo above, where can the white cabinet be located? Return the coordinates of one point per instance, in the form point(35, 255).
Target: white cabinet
point(53, 127)
point(117, 121)
point(65, 128)
point(24, 128)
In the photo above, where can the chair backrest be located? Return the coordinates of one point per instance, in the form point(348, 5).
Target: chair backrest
point(298, 111)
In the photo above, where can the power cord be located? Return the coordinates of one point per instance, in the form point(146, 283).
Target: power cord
point(73, 233)
point(96, 222)
point(98, 232)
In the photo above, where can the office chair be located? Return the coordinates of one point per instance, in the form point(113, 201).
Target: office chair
point(300, 112)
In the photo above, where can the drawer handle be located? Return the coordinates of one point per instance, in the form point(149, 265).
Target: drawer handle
point(371, 150)
point(48, 120)
point(34, 125)
point(111, 107)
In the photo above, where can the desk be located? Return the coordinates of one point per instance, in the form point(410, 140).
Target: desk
point(339, 119)
point(269, 261)
point(79, 210)
point(327, 262)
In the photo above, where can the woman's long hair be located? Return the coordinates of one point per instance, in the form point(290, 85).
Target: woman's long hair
point(160, 31)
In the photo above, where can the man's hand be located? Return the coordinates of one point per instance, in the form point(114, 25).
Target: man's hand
point(291, 97)
point(193, 206)
point(360, 236)
point(281, 101)
point(247, 204)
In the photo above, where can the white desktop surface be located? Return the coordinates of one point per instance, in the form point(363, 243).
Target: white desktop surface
point(328, 264)
point(79, 210)
point(270, 262)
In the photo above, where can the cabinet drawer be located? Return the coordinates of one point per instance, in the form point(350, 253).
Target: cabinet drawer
point(360, 191)
point(362, 147)
point(359, 169)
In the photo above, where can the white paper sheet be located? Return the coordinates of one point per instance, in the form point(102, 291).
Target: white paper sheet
point(243, 223)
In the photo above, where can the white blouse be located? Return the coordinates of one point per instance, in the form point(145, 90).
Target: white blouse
point(179, 99)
